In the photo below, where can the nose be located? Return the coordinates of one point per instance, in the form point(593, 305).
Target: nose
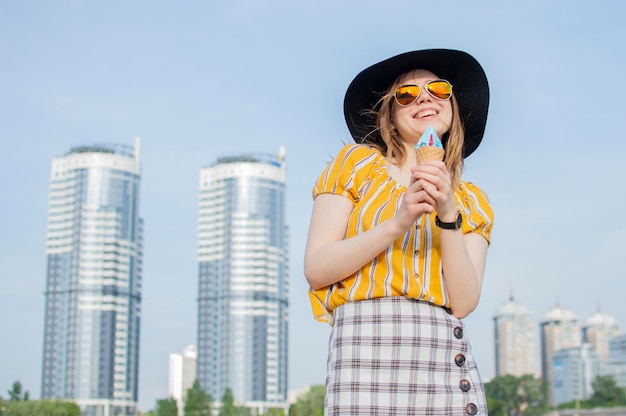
point(424, 96)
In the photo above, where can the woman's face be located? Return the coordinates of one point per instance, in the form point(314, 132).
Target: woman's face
point(412, 120)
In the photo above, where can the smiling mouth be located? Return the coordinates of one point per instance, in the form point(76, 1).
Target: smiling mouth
point(425, 113)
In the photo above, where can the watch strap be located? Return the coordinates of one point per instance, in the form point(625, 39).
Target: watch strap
point(450, 225)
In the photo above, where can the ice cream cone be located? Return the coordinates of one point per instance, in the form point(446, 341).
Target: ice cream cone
point(429, 146)
point(428, 153)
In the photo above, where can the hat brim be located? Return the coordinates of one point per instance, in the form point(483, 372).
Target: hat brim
point(467, 77)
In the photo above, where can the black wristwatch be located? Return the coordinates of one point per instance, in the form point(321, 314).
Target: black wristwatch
point(449, 225)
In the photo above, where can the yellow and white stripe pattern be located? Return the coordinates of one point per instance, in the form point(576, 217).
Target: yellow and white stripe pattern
point(411, 266)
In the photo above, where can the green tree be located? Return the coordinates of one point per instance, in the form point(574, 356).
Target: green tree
point(166, 407)
point(501, 393)
point(15, 394)
point(42, 408)
point(311, 403)
point(3, 407)
point(576, 404)
point(511, 396)
point(228, 405)
point(275, 412)
point(533, 396)
point(197, 401)
point(606, 393)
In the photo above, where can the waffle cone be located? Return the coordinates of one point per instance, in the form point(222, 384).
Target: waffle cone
point(428, 153)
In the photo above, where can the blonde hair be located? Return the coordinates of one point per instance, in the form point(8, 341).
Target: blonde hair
point(392, 145)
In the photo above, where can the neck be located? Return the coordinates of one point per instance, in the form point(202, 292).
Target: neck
point(409, 160)
point(401, 172)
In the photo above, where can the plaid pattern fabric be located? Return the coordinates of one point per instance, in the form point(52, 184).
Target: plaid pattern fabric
point(397, 356)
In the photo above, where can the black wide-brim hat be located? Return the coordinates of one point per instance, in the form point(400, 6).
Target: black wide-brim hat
point(469, 85)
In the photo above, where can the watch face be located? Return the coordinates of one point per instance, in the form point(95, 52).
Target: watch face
point(459, 221)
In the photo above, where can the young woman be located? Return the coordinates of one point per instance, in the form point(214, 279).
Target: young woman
point(396, 251)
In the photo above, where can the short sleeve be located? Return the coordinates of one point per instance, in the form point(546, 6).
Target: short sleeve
point(346, 172)
point(477, 211)
point(321, 312)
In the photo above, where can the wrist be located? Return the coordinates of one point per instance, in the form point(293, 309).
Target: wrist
point(395, 227)
point(448, 216)
point(449, 225)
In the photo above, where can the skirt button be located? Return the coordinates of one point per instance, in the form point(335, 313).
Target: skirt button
point(458, 332)
point(459, 360)
point(465, 385)
point(471, 409)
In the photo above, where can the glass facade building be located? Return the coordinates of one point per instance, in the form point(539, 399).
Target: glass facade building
point(616, 364)
point(93, 286)
point(243, 280)
point(573, 371)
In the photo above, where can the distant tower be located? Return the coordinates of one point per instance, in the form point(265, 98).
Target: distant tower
point(514, 338)
point(175, 379)
point(243, 267)
point(598, 331)
point(559, 330)
point(182, 374)
point(93, 285)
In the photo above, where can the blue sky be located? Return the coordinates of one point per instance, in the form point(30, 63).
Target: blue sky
point(198, 80)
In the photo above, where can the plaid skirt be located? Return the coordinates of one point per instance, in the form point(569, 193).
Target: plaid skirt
point(397, 356)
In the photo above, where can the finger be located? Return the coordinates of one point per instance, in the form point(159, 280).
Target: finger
point(430, 188)
point(435, 164)
point(425, 208)
point(415, 185)
point(430, 200)
point(424, 196)
point(442, 183)
point(419, 203)
point(434, 195)
point(430, 172)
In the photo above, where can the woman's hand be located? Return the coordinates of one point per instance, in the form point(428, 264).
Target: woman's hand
point(436, 182)
point(416, 202)
point(462, 255)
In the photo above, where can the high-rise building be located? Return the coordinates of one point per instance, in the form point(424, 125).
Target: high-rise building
point(617, 348)
point(559, 330)
point(94, 272)
point(573, 370)
point(514, 339)
point(616, 364)
point(598, 330)
point(182, 374)
point(243, 267)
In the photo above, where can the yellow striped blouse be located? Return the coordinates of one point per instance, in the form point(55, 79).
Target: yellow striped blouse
point(411, 266)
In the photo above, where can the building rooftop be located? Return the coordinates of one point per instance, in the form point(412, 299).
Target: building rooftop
point(110, 148)
point(513, 308)
point(559, 313)
point(271, 159)
point(250, 158)
point(601, 319)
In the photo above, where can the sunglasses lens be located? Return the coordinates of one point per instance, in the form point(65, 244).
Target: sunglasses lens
point(440, 89)
point(406, 94)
